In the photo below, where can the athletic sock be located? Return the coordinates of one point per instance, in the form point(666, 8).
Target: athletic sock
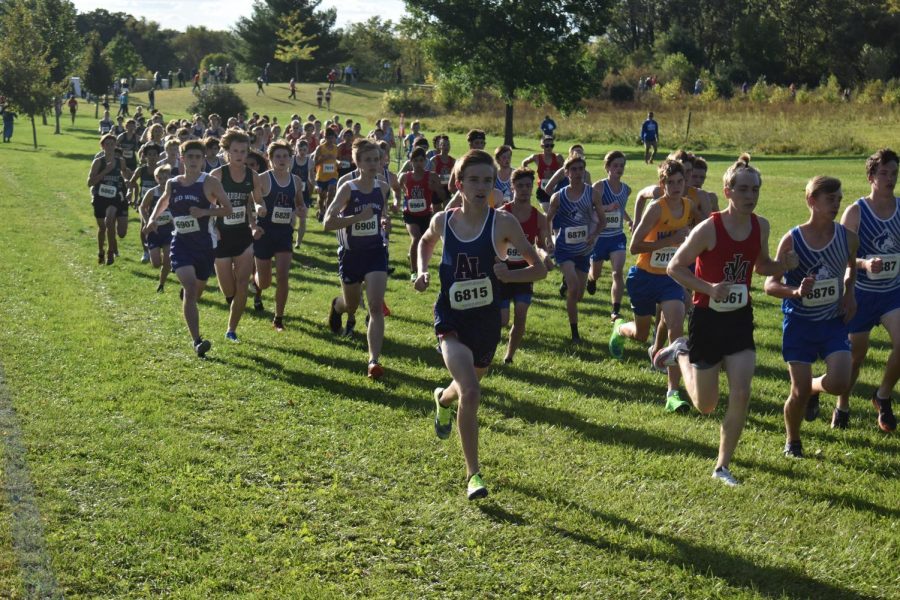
point(574, 327)
point(617, 307)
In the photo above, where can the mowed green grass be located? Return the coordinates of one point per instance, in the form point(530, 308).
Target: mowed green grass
point(275, 469)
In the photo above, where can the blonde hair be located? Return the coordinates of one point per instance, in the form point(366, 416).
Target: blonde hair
point(741, 165)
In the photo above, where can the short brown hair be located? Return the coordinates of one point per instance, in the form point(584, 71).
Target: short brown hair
point(522, 173)
point(669, 167)
point(473, 158)
point(882, 157)
point(611, 156)
point(234, 136)
point(279, 145)
point(822, 184)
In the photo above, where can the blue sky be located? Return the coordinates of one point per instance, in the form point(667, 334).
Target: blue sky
point(222, 14)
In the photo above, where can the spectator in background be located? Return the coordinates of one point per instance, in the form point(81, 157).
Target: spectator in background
point(8, 116)
point(650, 138)
point(698, 87)
point(180, 75)
point(73, 107)
point(151, 98)
point(265, 73)
point(548, 127)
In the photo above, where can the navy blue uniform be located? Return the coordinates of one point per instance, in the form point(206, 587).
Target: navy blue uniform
point(194, 240)
point(162, 237)
point(234, 230)
point(876, 293)
point(277, 222)
point(467, 304)
point(302, 171)
point(361, 246)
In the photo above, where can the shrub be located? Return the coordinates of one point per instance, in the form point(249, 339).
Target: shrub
point(453, 92)
point(216, 59)
point(892, 93)
point(676, 67)
point(830, 92)
point(409, 102)
point(871, 92)
point(671, 91)
point(804, 96)
point(220, 99)
point(759, 93)
point(779, 95)
point(621, 91)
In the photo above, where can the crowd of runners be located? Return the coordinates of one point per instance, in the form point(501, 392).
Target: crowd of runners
point(234, 199)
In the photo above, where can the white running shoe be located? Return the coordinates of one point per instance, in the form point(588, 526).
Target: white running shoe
point(669, 355)
point(725, 476)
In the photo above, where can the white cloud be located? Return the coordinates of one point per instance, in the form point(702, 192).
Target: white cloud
point(222, 14)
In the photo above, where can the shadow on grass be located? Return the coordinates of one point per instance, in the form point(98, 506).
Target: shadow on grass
point(79, 156)
point(712, 562)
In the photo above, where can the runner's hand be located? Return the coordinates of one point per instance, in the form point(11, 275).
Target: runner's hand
point(501, 270)
point(874, 265)
point(421, 283)
point(720, 291)
point(806, 286)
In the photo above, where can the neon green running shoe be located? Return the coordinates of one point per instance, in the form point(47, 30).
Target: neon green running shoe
point(443, 416)
point(476, 488)
point(674, 403)
point(617, 340)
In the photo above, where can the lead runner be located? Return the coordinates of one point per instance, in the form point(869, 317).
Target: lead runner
point(466, 313)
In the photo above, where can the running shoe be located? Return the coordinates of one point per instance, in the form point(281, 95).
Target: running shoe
point(351, 324)
point(334, 317)
point(887, 422)
point(160, 288)
point(563, 288)
point(278, 323)
point(475, 488)
point(812, 408)
point(100, 260)
point(614, 316)
point(725, 476)
point(375, 370)
point(668, 356)
point(257, 302)
point(146, 257)
point(674, 403)
point(413, 277)
point(793, 449)
point(443, 416)
point(231, 336)
point(617, 340)
point(110, 258)
point(591, 286)
point(651, 351)
point(840, 419)
point(201, 347)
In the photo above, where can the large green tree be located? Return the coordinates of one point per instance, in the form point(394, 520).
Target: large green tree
point(25, 62)
point(259, 40)
point(125, 60)
point(98, 73)
point(520, 48)
point(369, 45)
point(196, 42)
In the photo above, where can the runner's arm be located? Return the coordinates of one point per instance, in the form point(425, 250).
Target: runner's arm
point(427, 243)
point(333, 219)
point(765, 265)
point(510, 233)
point(702, 238)
point(776, 287)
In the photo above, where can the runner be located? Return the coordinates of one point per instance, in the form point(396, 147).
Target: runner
point(358, 216)
point(698, 178)
point(106, 124)
point(661, 230)
point(345, 153)
point(281, 196)
point(172, 156)
point(876, 219)
point(547, 163)
point(725, 249)
point(193, 199)
point(815, 305)
point(326, 172)
point(443, 162)
point(73, 107)
point(611, 241)
point(237, 231)
point(503, 156)
point(128, 142)
point(142, 180)
point(570, 214)
point(534, 225)
point(466, 314)
point(159, 240)
point(107, 182)
point(300, 168)
point(476, 139)
point(212, 160)
point(420, 187)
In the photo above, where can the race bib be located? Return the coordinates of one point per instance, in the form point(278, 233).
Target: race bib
point(345, 164)
point(127, 153)
point(281, 215)
point(737, 297)
point(614, 220)
point(164, 218)
point(328, 168)
point(107, 191)
point(660, 258)
point(824, 292)
point(445, 178)
point(416, 205)
point(237, 217)
point(186, 224)
point(513, 254)
point(473, 293)
point(889, 267)
point(367, 227)
point(575, 235)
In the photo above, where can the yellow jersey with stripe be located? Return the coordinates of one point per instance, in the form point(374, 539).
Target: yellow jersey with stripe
point(656, 261)
point(327, 167)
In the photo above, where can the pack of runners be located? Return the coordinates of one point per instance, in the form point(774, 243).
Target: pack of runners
point(233, 200)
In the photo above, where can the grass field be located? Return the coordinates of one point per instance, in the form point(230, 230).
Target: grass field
point(275, 469)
